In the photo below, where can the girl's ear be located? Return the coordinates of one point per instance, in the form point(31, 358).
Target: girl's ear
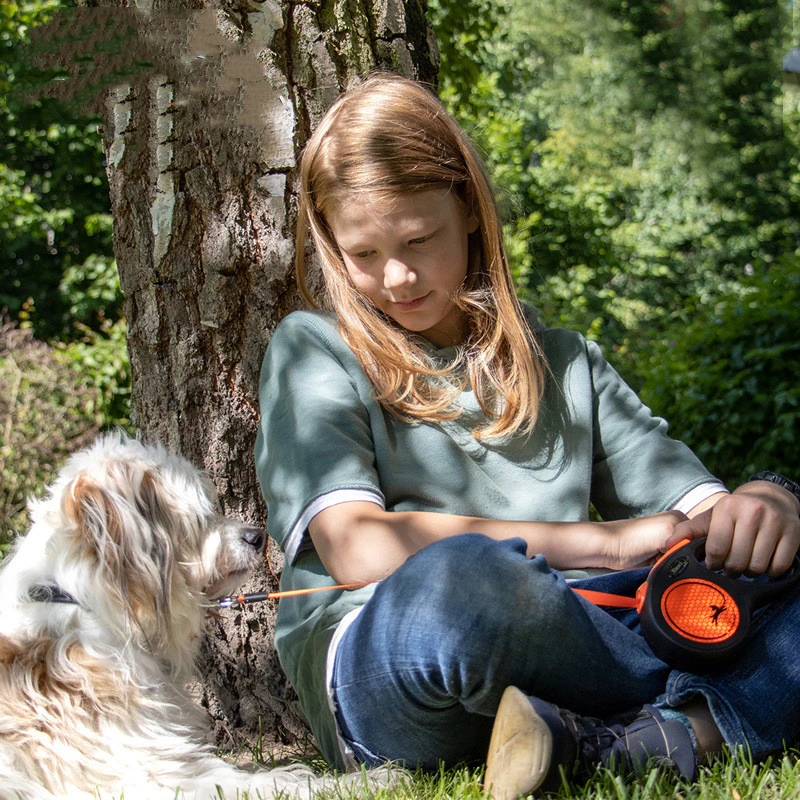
point(473, 223)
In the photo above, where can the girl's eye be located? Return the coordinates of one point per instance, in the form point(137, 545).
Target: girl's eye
point(363, 254)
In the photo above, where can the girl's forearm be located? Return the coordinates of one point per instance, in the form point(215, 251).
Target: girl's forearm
point(360, 541)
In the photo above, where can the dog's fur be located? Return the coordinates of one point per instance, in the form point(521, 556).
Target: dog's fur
point(92, 703)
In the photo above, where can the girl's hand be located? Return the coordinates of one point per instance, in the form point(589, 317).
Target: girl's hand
point(639, 542)
point(755, 530)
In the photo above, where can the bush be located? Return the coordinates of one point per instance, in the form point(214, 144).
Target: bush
point(46, 412)
point(728, 380)
point(100, 361)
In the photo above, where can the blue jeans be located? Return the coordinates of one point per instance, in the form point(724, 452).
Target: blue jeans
point(419, 673)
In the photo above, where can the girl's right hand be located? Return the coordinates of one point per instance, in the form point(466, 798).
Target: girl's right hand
point(639, 542)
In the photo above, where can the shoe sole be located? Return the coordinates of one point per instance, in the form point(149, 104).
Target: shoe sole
point(520, 750)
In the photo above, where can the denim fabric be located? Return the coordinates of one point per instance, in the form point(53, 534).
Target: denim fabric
point(418, 675)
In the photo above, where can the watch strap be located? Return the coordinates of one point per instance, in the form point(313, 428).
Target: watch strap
point(778, 480)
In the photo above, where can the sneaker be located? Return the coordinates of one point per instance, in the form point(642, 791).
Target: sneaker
point(532, 740)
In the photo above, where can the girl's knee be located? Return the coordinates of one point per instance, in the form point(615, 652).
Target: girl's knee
point(464, 564)
point(472, 578)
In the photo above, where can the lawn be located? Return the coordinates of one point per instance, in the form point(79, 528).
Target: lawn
point(728, 778)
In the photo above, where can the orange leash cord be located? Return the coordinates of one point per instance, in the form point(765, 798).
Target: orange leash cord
point(621, 601)
point(606, 599)
point(598, 598)
point(240, 600)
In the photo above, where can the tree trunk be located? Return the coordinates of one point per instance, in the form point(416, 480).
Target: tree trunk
point(201, 142)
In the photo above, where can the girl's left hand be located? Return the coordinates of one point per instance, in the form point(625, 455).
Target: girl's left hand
point(755, 530)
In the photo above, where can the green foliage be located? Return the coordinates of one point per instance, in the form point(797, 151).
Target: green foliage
point(53, 192)
point(47, 410)
point(100, 362)
point(721, 70)
point(728, 379)
point(58, 279)
point(91, 290)
point(466, 34)
point(648, 165)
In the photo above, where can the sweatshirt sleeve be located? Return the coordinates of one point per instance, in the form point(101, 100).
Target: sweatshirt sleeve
point(314, 444)
point(637, 468)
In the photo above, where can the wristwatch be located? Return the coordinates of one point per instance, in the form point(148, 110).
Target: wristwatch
point(779, 480)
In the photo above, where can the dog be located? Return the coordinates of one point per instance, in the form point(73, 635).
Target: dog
point(103, 607)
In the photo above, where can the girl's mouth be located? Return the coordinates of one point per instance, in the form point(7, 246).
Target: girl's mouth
point(410, 305)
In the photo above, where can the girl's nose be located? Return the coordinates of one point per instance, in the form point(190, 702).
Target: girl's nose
point(397, 273)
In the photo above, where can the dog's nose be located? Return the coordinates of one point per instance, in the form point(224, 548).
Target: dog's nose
point(254, 537)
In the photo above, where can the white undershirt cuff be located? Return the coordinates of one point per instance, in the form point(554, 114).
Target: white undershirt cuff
point(298, 537)
point(697, 495)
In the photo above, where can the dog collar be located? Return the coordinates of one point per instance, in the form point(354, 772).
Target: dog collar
point(42, 593)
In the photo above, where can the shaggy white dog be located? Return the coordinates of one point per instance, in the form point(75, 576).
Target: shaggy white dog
point(103, 603)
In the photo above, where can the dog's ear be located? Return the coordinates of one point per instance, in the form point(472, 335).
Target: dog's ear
point(119, 523)
point(91, 513)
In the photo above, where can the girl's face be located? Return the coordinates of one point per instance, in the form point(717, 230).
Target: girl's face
point(409, 258)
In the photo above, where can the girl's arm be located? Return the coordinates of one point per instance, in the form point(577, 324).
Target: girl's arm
point(754, 530)
point(359, 541)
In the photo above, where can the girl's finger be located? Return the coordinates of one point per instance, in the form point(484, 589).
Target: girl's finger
point(763, 552)
point(785, 552)
point(721, 527)
point(694, 528)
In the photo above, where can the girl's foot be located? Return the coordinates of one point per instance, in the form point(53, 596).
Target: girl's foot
point(532, 739)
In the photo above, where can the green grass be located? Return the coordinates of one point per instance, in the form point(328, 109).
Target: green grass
point(728, 778)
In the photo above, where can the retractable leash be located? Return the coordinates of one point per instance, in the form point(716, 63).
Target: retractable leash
point(695, 618)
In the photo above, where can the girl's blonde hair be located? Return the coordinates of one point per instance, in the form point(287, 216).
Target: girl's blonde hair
point(389, 136)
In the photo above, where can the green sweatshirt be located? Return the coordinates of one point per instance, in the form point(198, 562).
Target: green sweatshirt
point(323, 439)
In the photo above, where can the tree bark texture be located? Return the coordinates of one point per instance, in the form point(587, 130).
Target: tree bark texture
point(206, 107)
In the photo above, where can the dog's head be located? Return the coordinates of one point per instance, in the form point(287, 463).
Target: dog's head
point(134, 534)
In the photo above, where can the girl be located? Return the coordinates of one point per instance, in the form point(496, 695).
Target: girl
point(423, 432)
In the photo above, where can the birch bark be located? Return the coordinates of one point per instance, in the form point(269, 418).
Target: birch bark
point(207, 106)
